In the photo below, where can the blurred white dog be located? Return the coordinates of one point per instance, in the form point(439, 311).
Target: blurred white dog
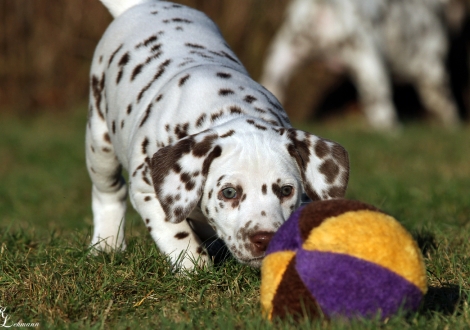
point(370, 39)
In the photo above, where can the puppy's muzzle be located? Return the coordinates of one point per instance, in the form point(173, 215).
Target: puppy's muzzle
point(260, 241)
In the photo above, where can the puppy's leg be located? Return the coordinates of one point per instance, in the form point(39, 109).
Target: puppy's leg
point(432, 85)
point(288, 51)
point(109, 189)
point(177, 240)
point(372, 82)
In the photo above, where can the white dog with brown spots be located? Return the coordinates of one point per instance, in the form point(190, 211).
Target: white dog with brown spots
point(371, 41)
point(209, 151)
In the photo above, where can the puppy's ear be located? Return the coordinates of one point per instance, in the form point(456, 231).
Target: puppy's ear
point(179, 172)
point(323, 164)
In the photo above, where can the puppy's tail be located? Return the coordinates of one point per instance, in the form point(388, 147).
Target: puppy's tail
point(117, 7)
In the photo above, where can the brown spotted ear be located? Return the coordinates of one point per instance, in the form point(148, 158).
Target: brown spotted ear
point(323, 164)
point(179, 173)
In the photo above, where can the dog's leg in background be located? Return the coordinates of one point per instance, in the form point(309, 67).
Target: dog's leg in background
point(286, 54)
point(109, 190)
point(433, 88)
point(371, 79)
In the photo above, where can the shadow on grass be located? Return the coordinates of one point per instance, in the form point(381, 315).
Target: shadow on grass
point(445, 299)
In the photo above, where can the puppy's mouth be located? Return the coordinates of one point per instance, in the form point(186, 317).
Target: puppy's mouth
point(253, 262)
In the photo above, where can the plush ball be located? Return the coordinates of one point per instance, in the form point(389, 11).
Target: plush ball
point(341, 258)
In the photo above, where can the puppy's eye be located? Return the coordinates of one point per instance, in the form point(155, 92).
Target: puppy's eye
point(229, 193)
point(286, 191)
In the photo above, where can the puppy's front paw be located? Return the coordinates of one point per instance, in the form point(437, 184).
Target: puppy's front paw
point(107, 245)
point(186, 261)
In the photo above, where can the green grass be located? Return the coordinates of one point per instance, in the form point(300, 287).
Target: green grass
point(421, 176)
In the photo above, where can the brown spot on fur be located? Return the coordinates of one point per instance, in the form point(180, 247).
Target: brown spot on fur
point(276, 190)
point(156, 48)
point(252, 122)
point(330, 170)
point(217, 115)
point(224, 75)
point(181, 235)
point(264, 189)
point(114, 54)
point(202, 148)
point(181, 130)
point(122, 62)
point(195, 46)
point(201, 251)
point(97, 87)
point(147, 198)
point(137, 169)
point(146, 115)
point(261, 127)
point(216, 152)
point(235, 110)
point(137, 70)
point(229, 57)
point(341, 156)
point(124, 59)
point(225, 92)
point(160, 72)
point(219, 180)
point(249, 99)
point(229, 133)
point(200, 120)
point(145, 143)
point(321, 149)
point(147, 41)
point(107, 138)
point(146, 180)
point(183, 80)
point(336, 192)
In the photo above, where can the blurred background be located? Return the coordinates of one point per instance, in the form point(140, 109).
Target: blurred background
point(46, 50)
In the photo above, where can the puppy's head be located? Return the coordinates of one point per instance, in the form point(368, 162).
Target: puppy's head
point(247, 183)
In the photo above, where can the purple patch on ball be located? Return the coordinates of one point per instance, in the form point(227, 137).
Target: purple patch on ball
point(350, 286)
point(287, 238)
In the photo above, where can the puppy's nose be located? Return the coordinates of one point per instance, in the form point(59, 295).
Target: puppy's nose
point(261, 240)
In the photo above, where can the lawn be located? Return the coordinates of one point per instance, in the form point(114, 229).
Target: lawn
point(421, 176)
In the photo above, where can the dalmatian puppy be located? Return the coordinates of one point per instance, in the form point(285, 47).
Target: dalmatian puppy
point(209, 151)
point(369, 39)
